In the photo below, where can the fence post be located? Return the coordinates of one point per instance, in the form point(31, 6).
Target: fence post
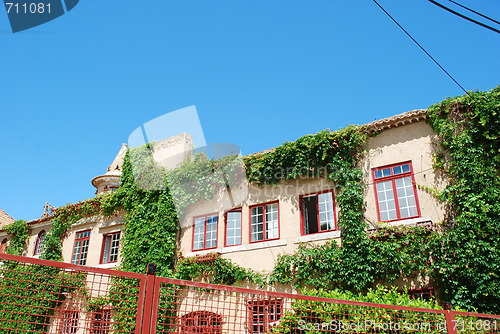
point(451, 324)
point(148, 302)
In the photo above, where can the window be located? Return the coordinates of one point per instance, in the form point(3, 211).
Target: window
point(101, 321)
point(423, 294)
point(263, 314)
point(3, 246)
point(395, 192)
point(69, 322)
point(264, 220)
point(39, 243)
point(317, 213)
point(81, 248)
point(205, 232)
point(110, 245)
point(233, 228)
point(201, 322)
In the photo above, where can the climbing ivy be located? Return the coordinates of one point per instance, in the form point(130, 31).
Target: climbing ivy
point(216, 271)
point(467, 261)
point(19, 235)
point(462, 258)
point(336, 156)
point(31, 293)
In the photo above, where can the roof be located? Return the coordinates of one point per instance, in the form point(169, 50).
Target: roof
point(395, 121)
point(5, 219)
point(373, 127)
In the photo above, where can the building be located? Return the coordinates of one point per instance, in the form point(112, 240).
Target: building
point(276, 219)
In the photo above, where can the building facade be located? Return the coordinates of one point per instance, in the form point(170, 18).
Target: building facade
point(275, 219)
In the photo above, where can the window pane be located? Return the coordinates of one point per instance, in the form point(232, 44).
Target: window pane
point(107, 246)
point(233, 228)
point(325, 206)
point(272, 221)
point(257, 232)
point(199, 233)
point(115, 244)
point(387, 206)
point(76, 252)
point(211, 227)
point(40, 241)
point(406, 197)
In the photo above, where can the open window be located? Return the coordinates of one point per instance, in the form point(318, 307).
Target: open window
point(110, 247)
point(317, 213)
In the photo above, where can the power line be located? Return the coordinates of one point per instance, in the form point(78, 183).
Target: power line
point(420, 46)
point(465, 17)
point(472, 10)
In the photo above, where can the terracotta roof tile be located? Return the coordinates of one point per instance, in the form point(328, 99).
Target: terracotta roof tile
point(5, 219)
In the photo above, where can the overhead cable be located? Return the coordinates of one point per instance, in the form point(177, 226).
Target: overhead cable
point(465, 17)
point(475, 12)
point(421, 47)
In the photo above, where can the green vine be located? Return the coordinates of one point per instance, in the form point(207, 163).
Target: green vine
point(468, 259)
point(463, 257)
point(19, 234)
point(216, 271)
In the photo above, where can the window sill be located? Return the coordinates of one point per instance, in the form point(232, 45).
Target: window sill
point(242, 248)
point(107, 265)
point(420, 221)
point(317, 237)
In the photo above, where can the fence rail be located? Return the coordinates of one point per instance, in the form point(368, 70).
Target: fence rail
point(38, 296)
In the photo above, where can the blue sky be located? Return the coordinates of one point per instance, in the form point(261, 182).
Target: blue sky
point(259, 72)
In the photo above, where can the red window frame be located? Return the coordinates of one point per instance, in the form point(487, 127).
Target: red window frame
point(225, 227)
point(103, 259)
point(263, 314)
point(40, 239)
point(201, 322)
point(302, 222)
point(205, 231)
point(393, 177)
point(3, 245)
point(86, 237)
point(423, 294)
point(101, 321)
point(264, 222)
point(69, 322)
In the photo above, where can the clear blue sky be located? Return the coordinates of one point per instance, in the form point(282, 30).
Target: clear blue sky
point(259, 72)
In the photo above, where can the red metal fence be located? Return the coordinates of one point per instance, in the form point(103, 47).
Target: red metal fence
point(39, 296)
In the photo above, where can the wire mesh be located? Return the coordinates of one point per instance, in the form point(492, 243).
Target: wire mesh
point(39, 296)
point(44, 299)
point(188, 309)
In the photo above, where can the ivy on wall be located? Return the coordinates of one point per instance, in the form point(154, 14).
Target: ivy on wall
point(463, 258)
point(216, 270)
point(467, 261)
point(19, 234)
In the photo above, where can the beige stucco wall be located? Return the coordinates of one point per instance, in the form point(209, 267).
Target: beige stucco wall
point(99, 226)
point(262, 255)
point(411, 142)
